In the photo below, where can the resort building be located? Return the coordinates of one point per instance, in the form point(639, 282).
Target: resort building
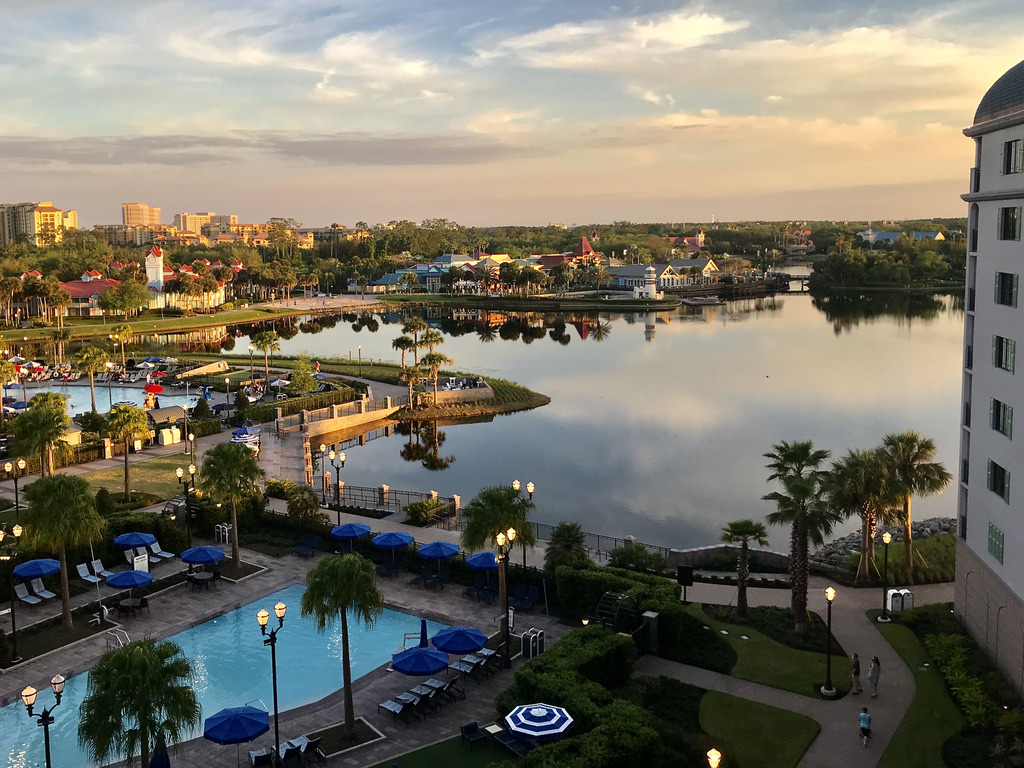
point(37, 223)
point(989, 598)
point(140, 215)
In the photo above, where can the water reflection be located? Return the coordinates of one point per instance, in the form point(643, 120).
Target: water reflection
point(424, 441)
point(847, 310)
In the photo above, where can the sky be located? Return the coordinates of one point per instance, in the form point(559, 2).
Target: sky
point(494, 112)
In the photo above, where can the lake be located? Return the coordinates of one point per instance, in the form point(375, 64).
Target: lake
point(658, 429)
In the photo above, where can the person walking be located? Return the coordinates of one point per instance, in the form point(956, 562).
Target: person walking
point(865, 726)
point(874, 671)
point(855, 674)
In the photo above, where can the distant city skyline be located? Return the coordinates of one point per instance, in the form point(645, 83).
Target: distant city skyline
point(491, 113)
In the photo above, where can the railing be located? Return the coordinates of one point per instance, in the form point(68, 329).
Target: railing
point(974, 240)
point(382, 498)
point(338, 411)
point(975, 179)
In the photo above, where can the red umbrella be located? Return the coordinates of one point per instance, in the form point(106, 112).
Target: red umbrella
point(154, 389)
point(159, 375)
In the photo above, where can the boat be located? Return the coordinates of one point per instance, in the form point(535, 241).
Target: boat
point(702, 301)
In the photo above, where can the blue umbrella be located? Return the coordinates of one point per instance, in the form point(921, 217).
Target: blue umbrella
point(350, 531)
point(153, 360)
point(541, 722)
point(392, 540)
point(420, 661)
point(37, 569)
point(483, 561)
point(439, 550)
point(459, 640)
point(222, 407)
point(245, 431)
point(160, 758)
point(319, 376)
point(134, 539)
point(129, 579)
point(202, 555)
point(236, 725)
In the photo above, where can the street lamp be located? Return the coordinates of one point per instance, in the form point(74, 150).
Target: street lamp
point(45, 718)
point(186, 483)
point(884, 618)
point(110, 393)
point(324, 479)
point(192, 446)
point(335, 459)
point(271, 639)
point(119, 340)
point(714, 758)
point(9, 468)
point(504, 541)
point(828, 689)
point(530, 488)
point(360, 348)
point(227, 390)
point(251, 350)
point(10, 554)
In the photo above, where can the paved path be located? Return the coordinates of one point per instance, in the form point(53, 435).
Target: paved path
point(839, 742)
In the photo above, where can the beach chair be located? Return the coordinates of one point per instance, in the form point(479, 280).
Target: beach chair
point(40, 590)
point(22, 593)
point(471, 733)
point(403, 711)
point(310, 543)
point(526, 602)
point(291, 754)
point(84, 575)
point(261, 758)
point(157, 550)
point(387, 569)
point(311, 752)
point(423, 578)
point(518, 747)
point(478, 583)
point(99, 570)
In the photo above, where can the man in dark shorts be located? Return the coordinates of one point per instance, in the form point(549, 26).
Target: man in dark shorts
point(865, 725)
point(855, 674)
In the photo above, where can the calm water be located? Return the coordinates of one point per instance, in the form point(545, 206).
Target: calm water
point(660, 435)
point(232, 668)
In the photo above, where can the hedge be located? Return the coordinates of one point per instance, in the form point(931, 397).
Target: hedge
point(580, 590)
point(295, 404)
point(204, 427)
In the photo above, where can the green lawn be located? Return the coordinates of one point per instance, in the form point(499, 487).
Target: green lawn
point(757, 735)
point(932, 717)
point(762, 660)
point(453, 754)
point(167, 325)
point(155, 476)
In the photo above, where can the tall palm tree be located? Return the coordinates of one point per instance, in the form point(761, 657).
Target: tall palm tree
point(860, 484)
point(61, 513)
point(431, 339)
point(138, 694)
point(801, 506)
point(7, 373)
point(335, 586)
point(742, 532)
point(414, 326)
point(127, 423)
point(567, 546)
point(412, 377)
point(60, 337)
point(230, 472)
point(122, 334)
point(434, 361)
point(910, 457)
point(403, 344)
point(40, 431)
point(493, 510)
point(92, 360)
point(267, 342)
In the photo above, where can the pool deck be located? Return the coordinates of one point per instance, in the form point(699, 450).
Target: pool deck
point(178, 608)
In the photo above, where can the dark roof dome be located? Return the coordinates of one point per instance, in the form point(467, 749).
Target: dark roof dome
point(1005, 97)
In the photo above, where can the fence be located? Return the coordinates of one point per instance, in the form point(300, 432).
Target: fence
point(385, 499)
point(285, 423)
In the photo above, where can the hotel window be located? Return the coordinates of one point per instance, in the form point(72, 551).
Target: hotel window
point(995, 542)
point(1003, 353)
point(1006, 289)
point(1001, 417)
point(1009, 224)
point(1013, 156)
point(999, 481)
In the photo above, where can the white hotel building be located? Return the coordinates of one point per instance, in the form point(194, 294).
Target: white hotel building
point(990, 550)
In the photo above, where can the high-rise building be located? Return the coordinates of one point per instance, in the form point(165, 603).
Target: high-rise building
point(194, 222)
point(37, 223)
point(989, 597)
point(140, 215)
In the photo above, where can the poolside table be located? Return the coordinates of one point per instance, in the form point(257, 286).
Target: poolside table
point(203, 578)
point(131, 604)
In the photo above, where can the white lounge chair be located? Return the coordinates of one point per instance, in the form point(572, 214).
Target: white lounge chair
point(40, 590)
point(22, 593)
point(99, 570)
point(156, 549)
point(84, 575)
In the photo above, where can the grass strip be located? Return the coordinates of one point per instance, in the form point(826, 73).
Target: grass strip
point(452, 754)
point(156, 476)
point(757, 735)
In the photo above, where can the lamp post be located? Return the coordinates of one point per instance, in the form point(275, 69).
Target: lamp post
point(335, 459)
point(186, 483)
point(45, 718)
point(884, 618)
point(828, 689)
point(323, 474)
point(251, 350)
point(270, 638)
point(530, 488)
point(360, 348)
point(110, 392)
point(504, 541)
point(10, 554)
point(227, 390)
point(714, 758)
point(15, 470)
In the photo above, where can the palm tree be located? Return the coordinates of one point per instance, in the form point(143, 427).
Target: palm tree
point(431, 339)
point(909, 456)
point(230, 472)
point(567, 547)
point(7, 373)
point(434, 361)
point(39, 430)
point(496, 509)
point(800, 506)
point(61, 513)
point(860, 484)
point(266, 342)
point(127, 423)
point(742, 532)
point(403, 344)
point(92, 360)
point(138, 694)
point(60, 337)
point(122, 333)
point(335, 586)
point(414, 326)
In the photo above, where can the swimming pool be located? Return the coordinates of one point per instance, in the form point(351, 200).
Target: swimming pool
point(80, 401)
point(231, 667)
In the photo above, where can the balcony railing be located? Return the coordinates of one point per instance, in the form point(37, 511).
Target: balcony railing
point(967, 414)
point(969, 358)
point(971, 294)
point(975, 179)
point(974, 240)
point(965, 474)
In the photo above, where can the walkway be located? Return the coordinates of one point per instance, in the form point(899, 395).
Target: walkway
point(839, 742)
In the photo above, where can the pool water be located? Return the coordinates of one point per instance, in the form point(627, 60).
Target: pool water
point(231, 668)
point(80, 401)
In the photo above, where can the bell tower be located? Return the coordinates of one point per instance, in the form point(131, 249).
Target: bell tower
point(155, 268)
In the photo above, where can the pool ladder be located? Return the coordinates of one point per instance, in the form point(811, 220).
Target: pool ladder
point(117, 638)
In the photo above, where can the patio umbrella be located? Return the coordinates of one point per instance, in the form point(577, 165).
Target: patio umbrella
point(222, 407)
point(438, 550)
point(159, 375)
point(541, 722)
point(236, 725)
point(483, 561)
point(36, 569)
point(459, 640)
point(160, 758)
point(350, 531)
point(152, 359)
point(16, 359)
point(421, 660)
point(392, 540)
point(169, 360)
point(202, 555)
point(155, 389)
point(245, 431)
point(129, 580)
point(320, 376)
point(279, 383)
point(134, 539)
point(249, 423)
point(144, 365)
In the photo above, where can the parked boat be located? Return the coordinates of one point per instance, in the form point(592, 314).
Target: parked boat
point(702, 301)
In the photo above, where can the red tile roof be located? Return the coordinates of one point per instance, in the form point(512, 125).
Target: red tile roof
point(83, 290)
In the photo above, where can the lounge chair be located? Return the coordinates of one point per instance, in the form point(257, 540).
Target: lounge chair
point(291, 754)
point(310, 544)
point(479, 583)
point(39, 589)
point(261, 758)
point(84, 575)
point(157, 550)
point(404, 711)
point(423, 578)
point(311, 752)
point(387, 569)
point(525, 601)
point(518, 747)
point(471, 732)
point(23, 594)
point(99, 570)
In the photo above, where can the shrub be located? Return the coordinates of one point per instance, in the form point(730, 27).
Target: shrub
point(637, 557)
point(104, 503)
point(303, 504)
point(201, 411)
point(624, 734)
point(93, 422)
point(204, 427)
point(279, 489)
point(682, 637)
point(579, 591)
point(420, 512)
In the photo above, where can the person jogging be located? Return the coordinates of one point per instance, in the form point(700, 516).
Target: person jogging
point(865, 726)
